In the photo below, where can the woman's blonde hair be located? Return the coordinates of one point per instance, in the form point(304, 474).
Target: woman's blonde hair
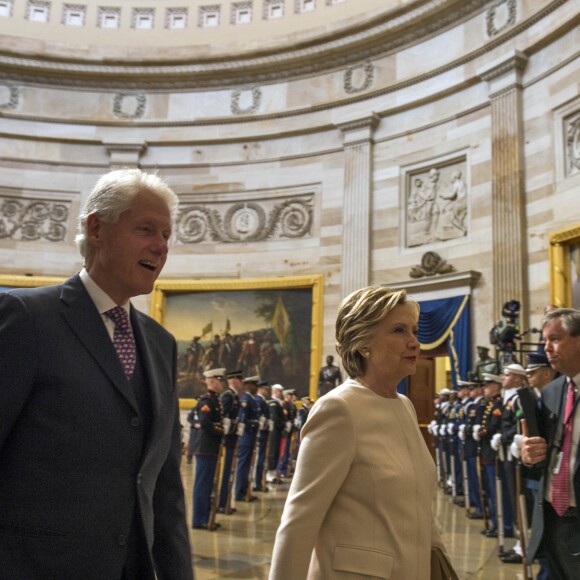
point(358, 316)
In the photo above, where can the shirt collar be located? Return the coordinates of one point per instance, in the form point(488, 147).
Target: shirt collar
point(101, 299)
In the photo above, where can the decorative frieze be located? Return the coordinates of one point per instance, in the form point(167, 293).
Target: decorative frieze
point(129, 105)
point(499, 16)
point(432, 264)
point(245, 221)
point(33, 220)
point(242, 105)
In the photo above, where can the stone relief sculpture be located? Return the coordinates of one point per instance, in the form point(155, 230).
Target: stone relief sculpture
point(235, 105)
point(129, 105)
point(33, 220)
point(501, 15)
point(367, 71)
point(437, 205)
point(431, 264)
point(573, 145)
point(250, 221)
point(9, 96)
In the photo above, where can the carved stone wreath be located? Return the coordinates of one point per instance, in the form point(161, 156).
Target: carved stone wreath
point(573, 144)
point(369, 71)
point(431, 264)
point(244, 222)
point(13, 97)
point(256, 101)
point(141, 100)
point(33, 220)
point(491, 14)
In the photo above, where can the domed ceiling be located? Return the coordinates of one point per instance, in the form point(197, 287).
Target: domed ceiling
point(205, 43)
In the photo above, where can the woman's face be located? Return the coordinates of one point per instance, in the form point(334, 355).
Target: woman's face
point(394, 348)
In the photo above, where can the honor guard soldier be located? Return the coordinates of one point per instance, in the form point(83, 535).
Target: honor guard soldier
point(456, 445)
point(473, 416)
point(514, 377)
point(247, 429)
point(278, 419)
point(490, 425)
point(208, 431)
point(231, 404)
point(290, 411)
point(264, 423)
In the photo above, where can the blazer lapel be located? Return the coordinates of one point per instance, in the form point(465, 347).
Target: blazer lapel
point(81, 314)
point(147, 349)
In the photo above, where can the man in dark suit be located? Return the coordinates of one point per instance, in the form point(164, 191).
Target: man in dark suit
point(90, 441)
point(555, 524)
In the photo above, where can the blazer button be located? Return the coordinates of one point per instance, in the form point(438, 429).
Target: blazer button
point(139, 478)
point(121, 540)
point(135, 422)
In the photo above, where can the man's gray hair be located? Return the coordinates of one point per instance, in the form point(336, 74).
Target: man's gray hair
point(114, 193)
point(570, 318)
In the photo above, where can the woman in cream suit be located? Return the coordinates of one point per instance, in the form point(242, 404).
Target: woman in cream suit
point(359, 505)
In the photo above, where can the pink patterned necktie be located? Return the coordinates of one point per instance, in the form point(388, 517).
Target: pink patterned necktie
point(123, 339)
point(561, 481)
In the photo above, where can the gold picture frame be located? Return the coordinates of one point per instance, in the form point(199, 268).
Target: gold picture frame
point(209, 310)
point(19, 281)
point(561, 283)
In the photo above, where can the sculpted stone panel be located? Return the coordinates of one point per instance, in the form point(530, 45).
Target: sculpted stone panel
point(436, 204)
point(572, 128)
point(33, 220)
point(245, 221)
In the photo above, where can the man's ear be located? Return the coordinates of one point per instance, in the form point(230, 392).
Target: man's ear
point(93, 229)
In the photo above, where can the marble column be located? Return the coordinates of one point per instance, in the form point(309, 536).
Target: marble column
point(510, 280)
point(356, 213)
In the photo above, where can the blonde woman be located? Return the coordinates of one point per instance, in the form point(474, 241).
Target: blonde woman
point(359, 505)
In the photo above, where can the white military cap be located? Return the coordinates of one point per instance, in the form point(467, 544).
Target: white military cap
point(514, 369)
point(464, 384)
point(215, 374)
point(444, 392)
point(254, 379)
point(491, 378)
point(289, 391)
point(277, 387)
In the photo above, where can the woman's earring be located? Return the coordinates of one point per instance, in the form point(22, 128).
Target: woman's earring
point(366, 354)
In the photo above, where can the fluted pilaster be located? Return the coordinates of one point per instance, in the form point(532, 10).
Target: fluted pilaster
point(508, 193)
point(356, 222)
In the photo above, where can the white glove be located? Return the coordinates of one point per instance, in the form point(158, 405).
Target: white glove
point(227, 423)
point(462, 432)
point(496, 441)
point(442, 430)
point(476, 430)
point(288, 426)
point(262, 422)
point(240, 430)
point(450, 427)
point(270, 424)
point(297, 423)
point(431, 427)
point(516, 446)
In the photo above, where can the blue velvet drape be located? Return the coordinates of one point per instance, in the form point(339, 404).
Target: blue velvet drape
point(448, 321)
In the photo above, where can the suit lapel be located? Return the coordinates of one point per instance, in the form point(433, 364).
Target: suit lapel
point(80, 313)
point(147, 351)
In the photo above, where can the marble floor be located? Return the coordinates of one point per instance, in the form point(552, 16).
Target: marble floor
point(241, 548)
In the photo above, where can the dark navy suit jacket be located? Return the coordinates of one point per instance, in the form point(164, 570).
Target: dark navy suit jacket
point(550, 415)
point(73, 455)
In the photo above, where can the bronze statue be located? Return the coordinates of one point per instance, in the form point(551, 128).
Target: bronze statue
point(329, 377)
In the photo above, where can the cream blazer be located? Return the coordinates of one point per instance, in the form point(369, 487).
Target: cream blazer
point(359, 505)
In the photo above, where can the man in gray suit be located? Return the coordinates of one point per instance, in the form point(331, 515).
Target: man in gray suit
point(556, 524)
point(90, 442)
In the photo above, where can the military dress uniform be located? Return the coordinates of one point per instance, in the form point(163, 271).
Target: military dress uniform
point(263, 434)
point(490, 425)
point(230, 401)
point(248, 416)
point(290, 411)
point(473, 416)
point(277, 416)
point(208, 432)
